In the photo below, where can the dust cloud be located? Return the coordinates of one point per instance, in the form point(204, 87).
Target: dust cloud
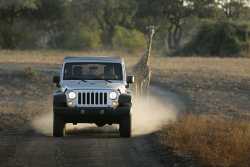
point(149, 114)
point(43, 124)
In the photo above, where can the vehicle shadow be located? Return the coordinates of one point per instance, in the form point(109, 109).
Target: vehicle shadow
point(93, 132)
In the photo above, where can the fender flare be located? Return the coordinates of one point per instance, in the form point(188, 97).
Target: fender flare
point(125, 100)
point(59, 99)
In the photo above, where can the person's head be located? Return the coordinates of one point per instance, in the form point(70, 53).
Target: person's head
point(92, 70)
point(108, 71)
point(77, 71)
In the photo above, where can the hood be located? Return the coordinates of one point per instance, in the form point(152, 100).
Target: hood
point(93, 85)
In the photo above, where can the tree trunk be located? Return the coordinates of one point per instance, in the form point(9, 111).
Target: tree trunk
point(174, 37)
point(177, 36)
point(107, 36)
point(170, 38)
point(7, 34)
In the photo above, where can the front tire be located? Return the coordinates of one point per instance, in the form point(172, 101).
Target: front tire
point(58, 126)
point(125, 126)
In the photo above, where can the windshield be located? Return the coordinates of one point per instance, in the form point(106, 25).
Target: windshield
point(93, 71)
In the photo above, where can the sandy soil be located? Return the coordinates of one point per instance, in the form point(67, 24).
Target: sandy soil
point(25, 139)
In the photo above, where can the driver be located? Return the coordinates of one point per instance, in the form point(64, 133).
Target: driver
point(77, 71)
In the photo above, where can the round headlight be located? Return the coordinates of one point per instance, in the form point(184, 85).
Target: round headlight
point(72, 95)
point(113, 95)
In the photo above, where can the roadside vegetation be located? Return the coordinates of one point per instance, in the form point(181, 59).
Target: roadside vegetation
point(225, 39)
point(215, 129)
point(212, 141)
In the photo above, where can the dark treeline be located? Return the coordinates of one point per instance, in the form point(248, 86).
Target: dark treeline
point(122, 24)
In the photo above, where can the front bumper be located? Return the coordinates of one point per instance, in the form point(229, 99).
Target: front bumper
point(92, 115)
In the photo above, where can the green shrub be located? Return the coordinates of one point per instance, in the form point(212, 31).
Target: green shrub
point(219, 39)
point(18, 35)
point(129, 40)
point(85, 38)
point(31, 73)
point(91, 38)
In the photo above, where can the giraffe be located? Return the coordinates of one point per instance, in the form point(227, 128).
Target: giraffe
point(142, 70)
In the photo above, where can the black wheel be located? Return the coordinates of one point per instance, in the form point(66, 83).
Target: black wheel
point(58, 126)
point(125, 126)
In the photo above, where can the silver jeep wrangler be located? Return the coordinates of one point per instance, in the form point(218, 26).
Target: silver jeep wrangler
point(92, 90)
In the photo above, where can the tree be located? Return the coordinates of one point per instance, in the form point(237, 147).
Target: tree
point(233, 9)
point(9, 11)
point(109, 14)
point(148, 13)
point(204, 8)
point(167, 14)
point(175, 12)
point(51, 17)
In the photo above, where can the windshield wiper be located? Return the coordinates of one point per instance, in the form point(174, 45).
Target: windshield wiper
point(107, 80)
point(83, 80)
point(75, 78)
point(102, 79)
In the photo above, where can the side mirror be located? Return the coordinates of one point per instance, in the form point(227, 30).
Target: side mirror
point(130, 79)
point(56, 80)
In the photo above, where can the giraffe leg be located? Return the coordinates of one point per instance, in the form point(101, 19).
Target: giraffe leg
point(147, 83)
point(148, 78)
point(137, 89)
point(141, 88)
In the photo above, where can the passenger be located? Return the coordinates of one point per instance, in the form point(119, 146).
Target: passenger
point(109, 73)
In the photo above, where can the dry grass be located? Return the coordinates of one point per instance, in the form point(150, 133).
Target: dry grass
point(24, 95)
point(213, 141)
point(227, 66)
point(217, 90)
point(212, 85)
point(51, 56)
point(216, 128)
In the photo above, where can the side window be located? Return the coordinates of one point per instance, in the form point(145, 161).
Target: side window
point(118, 71)
point(67, 71)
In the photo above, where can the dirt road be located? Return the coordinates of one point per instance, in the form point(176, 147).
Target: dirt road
point(29, 146)
point(30, 149)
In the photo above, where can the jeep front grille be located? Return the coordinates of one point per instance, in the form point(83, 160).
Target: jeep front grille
point(92, 99)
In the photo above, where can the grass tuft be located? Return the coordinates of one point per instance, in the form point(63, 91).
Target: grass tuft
point(213, 141)
point(31, 73)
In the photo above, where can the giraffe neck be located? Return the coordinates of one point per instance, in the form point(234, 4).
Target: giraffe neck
point(149, 48)
point(144, 61)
